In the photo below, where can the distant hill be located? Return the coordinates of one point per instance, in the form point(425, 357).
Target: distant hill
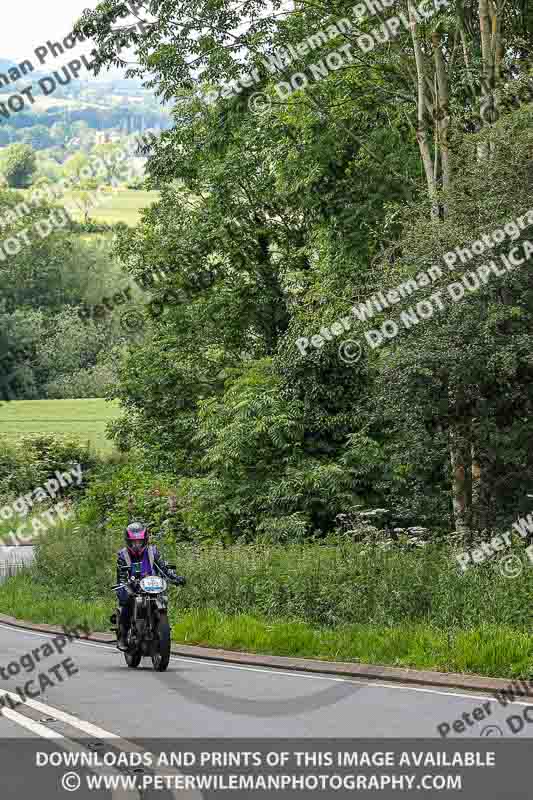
point(104, 84)
point(6, 64)
point(110, 104)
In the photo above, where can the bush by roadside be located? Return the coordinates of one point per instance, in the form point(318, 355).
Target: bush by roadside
point(391, 602)
point(390, 606)
point(32, 460)
point(328, 585)
point(40, 475)
point(491, 650)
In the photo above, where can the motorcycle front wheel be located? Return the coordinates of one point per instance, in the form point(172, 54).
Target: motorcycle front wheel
point(133, 659)
point(161, 655)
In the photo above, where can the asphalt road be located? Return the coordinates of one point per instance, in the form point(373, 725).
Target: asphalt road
point(82, 700)
point(199, 698)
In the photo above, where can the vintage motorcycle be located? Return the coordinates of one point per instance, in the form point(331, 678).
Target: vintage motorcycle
point(149, 633)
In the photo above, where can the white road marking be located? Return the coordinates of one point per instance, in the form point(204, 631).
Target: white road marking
point(92, 730)
point(62, 716)
point(369, 682)
point(30, 724)
point(64, 742)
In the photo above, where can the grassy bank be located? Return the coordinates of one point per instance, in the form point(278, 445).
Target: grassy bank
point(323, 586)
point(346, 602)
point(489, 650)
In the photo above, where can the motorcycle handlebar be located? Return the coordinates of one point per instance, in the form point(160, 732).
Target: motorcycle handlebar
point(130, 580)
point(136, 580)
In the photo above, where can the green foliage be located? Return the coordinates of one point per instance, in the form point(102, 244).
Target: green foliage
point(296, 214)
point(259, 474)
point(74, 167)
point(478, 349)
point(496, 650)
point(60, 352)
point(18, 165)
point(333, 586)
point(41, 274)
point(77, 558)
point(87, 382)
point(345, 583)
point(32, 460)
point(121, 493)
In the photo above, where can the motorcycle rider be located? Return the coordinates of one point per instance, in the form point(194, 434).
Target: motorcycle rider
point(138, 559)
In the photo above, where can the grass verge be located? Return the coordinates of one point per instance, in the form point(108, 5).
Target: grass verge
point(491, 650)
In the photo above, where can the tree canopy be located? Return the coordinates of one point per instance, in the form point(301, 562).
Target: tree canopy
point(18, 165)
point(304, 180)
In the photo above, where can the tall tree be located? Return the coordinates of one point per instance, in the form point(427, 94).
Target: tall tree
point(306, 209)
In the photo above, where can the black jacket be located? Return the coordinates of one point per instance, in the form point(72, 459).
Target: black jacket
point(160, 567)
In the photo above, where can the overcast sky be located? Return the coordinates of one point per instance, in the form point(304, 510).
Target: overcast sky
point(30, 23)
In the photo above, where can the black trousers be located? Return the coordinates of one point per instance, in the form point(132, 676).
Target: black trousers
point(125, 603)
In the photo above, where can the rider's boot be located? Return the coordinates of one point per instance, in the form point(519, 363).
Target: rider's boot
point(122, 642)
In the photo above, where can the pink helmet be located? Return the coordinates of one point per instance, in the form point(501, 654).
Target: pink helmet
point(136, 537)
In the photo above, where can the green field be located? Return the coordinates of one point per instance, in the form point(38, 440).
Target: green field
point(83, 419)
point(123, 205)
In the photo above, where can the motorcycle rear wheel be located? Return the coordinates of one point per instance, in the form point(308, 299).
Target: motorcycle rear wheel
point(161, 657)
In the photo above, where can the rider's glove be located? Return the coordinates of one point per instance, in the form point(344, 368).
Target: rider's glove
point(179, 581)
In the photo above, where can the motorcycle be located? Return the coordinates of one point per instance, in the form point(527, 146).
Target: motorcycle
point(149, 632)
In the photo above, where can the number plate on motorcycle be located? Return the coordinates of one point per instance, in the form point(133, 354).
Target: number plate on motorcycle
point(153, 584)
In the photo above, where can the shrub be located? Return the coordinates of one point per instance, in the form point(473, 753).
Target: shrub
point(120, 493)
point(77, 560)
point(92, 382)
point(323, 585)
point(33, 459)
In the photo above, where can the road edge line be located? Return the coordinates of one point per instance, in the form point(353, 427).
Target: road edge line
point(444, 680)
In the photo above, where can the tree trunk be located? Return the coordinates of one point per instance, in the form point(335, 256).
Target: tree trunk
point(490, 17)
point(481, 480)
point(486, 40)
point(461, 464)
point(466, 57)
point(422, 127)
point(442, 118)
point(490, 25)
